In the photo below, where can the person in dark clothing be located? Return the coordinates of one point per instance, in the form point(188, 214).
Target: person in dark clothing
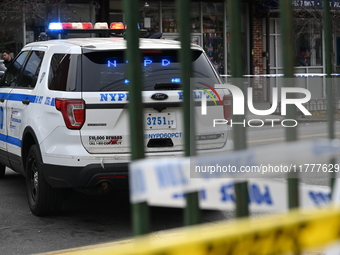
point(6, 56)
point(304, 58)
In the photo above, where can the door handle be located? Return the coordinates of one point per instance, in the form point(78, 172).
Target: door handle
point(26, 102)
point(2, 100)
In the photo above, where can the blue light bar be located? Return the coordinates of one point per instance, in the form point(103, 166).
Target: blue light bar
point(176, 80)
point(55, 26)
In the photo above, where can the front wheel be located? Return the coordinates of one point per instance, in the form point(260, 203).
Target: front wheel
point(42, 198)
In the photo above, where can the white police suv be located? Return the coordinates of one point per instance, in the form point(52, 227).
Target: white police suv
point(64, 116)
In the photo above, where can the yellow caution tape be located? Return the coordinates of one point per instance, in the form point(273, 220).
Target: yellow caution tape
point(291, 232)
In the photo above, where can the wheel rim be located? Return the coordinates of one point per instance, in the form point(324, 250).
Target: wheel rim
point(34, 178)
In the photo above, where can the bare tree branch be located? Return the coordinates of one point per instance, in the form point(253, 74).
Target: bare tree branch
point(11, 15)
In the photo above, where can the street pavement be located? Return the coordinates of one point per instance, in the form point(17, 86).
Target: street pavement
point(268, 119)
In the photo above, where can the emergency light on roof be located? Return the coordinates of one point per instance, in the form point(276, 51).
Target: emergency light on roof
point(117, 25)
point(101, 28)
point(70, 25)
point(101, 25)
point(85, 25)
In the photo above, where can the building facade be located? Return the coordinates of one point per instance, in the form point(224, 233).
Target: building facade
point(261, 33)
point(308, 45)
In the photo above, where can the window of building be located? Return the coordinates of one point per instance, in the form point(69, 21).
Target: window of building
point(275, 44)
point(213, 17)
point(149, 17)
point(308, 55)
point(213, 39)
point(308, 42)
point(195, 18)
point(169, 18)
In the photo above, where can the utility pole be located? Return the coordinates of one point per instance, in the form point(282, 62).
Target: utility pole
point(23, 26)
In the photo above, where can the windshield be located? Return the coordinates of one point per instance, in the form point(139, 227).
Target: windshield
point(106, 71)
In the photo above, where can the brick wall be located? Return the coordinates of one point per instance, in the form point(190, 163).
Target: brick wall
point(258, 60)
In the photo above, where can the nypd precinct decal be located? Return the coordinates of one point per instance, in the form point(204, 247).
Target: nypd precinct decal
point(105, 140)
point(163, 135)
point(120, 97)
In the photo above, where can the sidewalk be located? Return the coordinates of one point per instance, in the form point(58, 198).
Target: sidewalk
point(276, 118)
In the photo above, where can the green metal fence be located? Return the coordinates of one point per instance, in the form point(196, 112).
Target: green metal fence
point(191, 213)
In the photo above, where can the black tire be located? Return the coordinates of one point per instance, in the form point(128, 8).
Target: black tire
point(43, 200)
point(2, 171)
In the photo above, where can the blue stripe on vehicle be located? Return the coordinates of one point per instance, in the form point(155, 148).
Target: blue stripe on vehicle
point(21, 97)
point(10, 139)
point(33, 99)
point(3, 137)
point(14, 141)
point(4, 95)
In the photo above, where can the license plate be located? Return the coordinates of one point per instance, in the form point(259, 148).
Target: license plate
point(160, 120)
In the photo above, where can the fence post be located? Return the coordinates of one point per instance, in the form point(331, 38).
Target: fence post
point(191, 211)
point(239, 131)
point(329, 86)
point(287, 26)
point(140, 214)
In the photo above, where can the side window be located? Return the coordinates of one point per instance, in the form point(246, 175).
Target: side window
point(12, 74)
point(59, 68)
point(31, 71)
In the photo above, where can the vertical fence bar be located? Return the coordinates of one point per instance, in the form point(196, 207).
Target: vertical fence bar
point(140, 214)
point(191, 211)
point(239, 131)
point(287, 25)
point(329, 86)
